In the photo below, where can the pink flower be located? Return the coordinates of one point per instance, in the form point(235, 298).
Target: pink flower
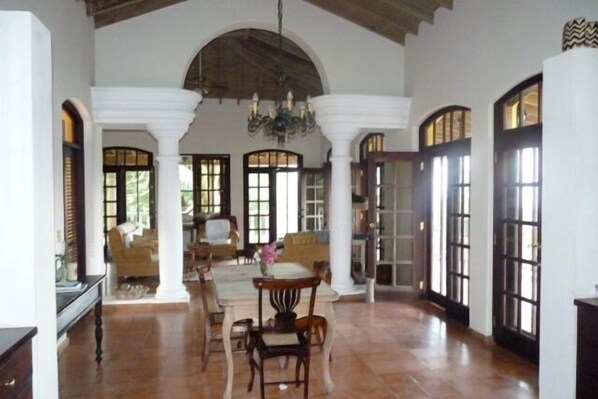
point(268, 254)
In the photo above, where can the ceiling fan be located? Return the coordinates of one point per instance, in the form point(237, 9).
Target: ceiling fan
point(202, 84)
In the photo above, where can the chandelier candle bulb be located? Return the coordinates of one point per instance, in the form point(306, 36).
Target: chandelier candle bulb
point(290, 100)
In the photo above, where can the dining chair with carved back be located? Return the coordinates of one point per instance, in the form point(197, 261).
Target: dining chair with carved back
point(281, 336)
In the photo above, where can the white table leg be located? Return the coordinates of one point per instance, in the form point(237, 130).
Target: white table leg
point(227, 326)
point(330, 327)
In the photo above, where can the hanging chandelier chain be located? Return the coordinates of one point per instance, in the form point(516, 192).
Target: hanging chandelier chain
point(281, 75)
point(280, 124)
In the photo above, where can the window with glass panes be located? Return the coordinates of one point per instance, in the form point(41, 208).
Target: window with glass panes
point(445, 142)
point(373, 142)
point(272, 195)
point(313, 199)
point(128, 187)
point(205, 184)
point(518, 218)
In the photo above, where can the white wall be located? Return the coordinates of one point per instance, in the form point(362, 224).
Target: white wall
point(60, 69)
point(470, 57)
point(72, 67)
point(156, 49)
point(569, 212)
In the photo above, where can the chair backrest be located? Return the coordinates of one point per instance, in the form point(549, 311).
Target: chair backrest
point(217, 229)
point(284, 296)
point(115, 241)
point(208, 300)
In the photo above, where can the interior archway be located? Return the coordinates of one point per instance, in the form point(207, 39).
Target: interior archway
point(242, 62)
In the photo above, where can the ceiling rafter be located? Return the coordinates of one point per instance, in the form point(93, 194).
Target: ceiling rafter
point(361, 16)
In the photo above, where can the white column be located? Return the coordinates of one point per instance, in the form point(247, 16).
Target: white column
point(340, 214)
point(166, 113)
point(569, 212)
point(341, 118)
point(170, 228)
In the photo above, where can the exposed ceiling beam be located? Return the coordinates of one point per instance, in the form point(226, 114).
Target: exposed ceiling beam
point(413, 8)
point(365, 18)
point(125, 9)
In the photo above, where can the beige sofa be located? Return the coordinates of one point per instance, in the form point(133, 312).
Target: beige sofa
point(306, 248)
point(133, 255)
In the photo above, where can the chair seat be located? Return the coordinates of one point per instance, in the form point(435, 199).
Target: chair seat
point(280, 339)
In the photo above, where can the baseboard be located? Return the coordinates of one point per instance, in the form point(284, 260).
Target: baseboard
point(486, 339)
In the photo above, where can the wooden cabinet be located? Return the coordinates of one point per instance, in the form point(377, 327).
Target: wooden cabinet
point(587, 348)
point(15, 362)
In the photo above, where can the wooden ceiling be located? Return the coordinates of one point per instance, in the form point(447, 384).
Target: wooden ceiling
point(239, 63)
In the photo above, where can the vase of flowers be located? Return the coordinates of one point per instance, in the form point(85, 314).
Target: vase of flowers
point(266, 256)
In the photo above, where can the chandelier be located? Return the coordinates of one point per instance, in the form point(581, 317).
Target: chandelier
point(280, 124)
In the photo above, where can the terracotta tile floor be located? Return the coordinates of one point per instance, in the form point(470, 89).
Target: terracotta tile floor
point(390, 349)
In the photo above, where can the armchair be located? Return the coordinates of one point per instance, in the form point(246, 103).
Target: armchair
point(132, 257)
point(221, 234)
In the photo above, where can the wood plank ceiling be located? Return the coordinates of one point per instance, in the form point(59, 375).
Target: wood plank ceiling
point(239, 63)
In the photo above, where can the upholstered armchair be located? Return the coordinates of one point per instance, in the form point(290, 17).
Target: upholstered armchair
point(133, 256)
point(221, 234)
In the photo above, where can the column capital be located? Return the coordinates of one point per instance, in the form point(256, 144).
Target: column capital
point(344, 116)
point(162, 110)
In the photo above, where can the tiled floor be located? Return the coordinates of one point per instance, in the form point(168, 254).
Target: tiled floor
point(390, 349)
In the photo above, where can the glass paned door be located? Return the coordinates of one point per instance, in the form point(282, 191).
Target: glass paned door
point(287, 203)
point(449, 234)
point(258, 203)
point(517, 251)
point(128, 188)
point(110, 203)
point(272, 195)
point(313, 197)
point(394, 220)
point(518, 218)
point(137, 197)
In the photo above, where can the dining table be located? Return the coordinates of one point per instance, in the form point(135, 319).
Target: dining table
point(238, 297)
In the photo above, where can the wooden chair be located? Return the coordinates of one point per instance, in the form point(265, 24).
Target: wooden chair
point(213, 318)
point(282, 336)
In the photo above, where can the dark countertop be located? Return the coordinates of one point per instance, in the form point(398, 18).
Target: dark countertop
point(12, 338)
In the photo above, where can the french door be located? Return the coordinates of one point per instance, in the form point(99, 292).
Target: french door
point(518, 220)
point(517, 252)
point(272, 199)
point(313, 199)
point(128, 188)
point(394, 221)
point(448, 233)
